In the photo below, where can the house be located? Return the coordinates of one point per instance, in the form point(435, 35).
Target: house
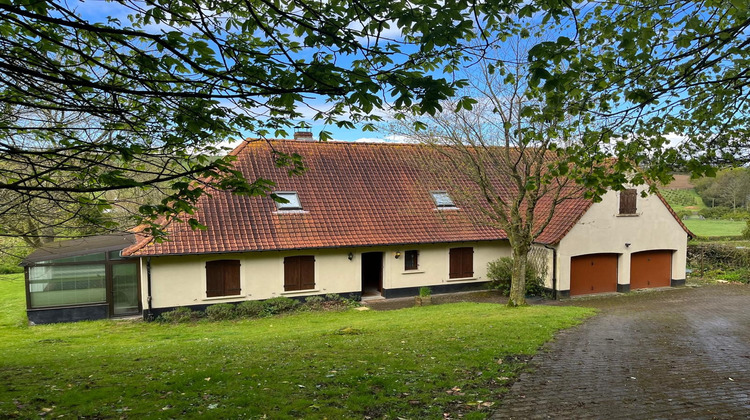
point(376, 220)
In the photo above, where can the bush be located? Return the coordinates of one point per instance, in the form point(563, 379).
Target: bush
point(179, 315)
point(425, 292)
point(221, 312)
point(10, 269)
point(720, 261)
point(313, 303)
point(736, 215)
point(500, 272)
point(714, 212)
point(746, 231)
point(279, 305)
point(683, 214)
point(251, 309)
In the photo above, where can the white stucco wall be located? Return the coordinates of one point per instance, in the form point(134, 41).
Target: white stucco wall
point(603, 230)
point(181, 280)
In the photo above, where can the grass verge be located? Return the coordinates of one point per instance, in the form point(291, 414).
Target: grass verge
point(428, 362)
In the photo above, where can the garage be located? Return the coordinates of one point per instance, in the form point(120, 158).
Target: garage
point(651, 269)
point(593, 273)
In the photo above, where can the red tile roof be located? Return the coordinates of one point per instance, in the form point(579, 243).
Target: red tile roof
point(352, 194)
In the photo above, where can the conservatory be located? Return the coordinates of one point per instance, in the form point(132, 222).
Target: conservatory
point(82, 279)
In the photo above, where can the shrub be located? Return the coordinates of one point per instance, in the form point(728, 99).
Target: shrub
point(746, 231)
point(683, 214)
point(714, 212)
point(425, 292)
point(179, 315)
point(10, 269)
point(704, 257)
point(313, 303)
point(736, 215)
point(500, 272)
point(221, 312)
point(251, 309)
point(279, 305)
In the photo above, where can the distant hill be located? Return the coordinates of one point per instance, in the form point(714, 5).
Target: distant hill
point(681, 182)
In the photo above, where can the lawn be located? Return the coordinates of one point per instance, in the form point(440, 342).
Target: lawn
point(411, 363)
point(715, 228)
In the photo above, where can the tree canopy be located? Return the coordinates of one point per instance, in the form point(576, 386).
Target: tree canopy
point(146, 97)
point(664, 82)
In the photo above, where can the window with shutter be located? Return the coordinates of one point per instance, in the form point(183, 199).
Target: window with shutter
point(461, 263)
point(299, 273)
point(222, 278)
point(628, 201)
point(411, 260)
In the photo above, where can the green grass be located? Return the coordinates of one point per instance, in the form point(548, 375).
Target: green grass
point(411, 363)
point(686, 199)
point(715, 228)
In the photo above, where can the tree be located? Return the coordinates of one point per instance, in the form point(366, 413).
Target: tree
point(730, 188)
point(149, 98)
point(519, 163)
point(645, 73)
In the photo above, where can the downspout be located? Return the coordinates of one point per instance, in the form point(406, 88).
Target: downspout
point(149, 314)
point(554, 270)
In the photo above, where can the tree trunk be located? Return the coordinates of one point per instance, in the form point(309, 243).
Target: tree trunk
point(518, 281)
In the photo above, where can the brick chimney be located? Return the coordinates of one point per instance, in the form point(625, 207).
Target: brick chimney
point(303, 132)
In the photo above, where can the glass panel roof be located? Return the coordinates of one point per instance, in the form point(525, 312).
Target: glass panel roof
point(291, 197)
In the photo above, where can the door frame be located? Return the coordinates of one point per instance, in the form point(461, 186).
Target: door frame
point(371, 257)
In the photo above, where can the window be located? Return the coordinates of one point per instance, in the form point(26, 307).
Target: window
point(60, 285)
point(223, 278)
point(442, 199)
point(461, 263)
point(411, 260)
point(292, 199)
point(628, 201)
point(299, 273)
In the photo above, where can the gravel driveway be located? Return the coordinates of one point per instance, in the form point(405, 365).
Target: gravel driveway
point(677, 353)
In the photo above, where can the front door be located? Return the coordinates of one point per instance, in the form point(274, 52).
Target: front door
point(372, 273)
point(125, 295)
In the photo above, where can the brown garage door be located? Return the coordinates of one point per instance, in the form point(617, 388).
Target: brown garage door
point(651, 269)
point(593, 273)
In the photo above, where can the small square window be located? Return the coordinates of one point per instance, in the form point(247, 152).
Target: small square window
point(411, 260)
point(292, 199)
point(442, 199)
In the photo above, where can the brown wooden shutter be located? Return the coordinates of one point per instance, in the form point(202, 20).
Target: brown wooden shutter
point(232, 277)
point(461, 263)
point(628, 201)
point(455, 263)
point(307, 272)
point(299, 273)
point(214, 279)
point(222, 278)
point(467, 263)
point(291, 274)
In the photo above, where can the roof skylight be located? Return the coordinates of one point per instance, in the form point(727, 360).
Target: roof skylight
point(442, 199)
point(292, 199)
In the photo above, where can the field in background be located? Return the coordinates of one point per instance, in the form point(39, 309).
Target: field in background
point(683, 200)
point(715, 228)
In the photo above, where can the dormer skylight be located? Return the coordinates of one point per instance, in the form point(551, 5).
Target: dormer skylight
point(292, 199)
point(442, 200)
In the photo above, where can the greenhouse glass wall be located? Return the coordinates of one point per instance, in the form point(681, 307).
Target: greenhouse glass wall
point(82, 279)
